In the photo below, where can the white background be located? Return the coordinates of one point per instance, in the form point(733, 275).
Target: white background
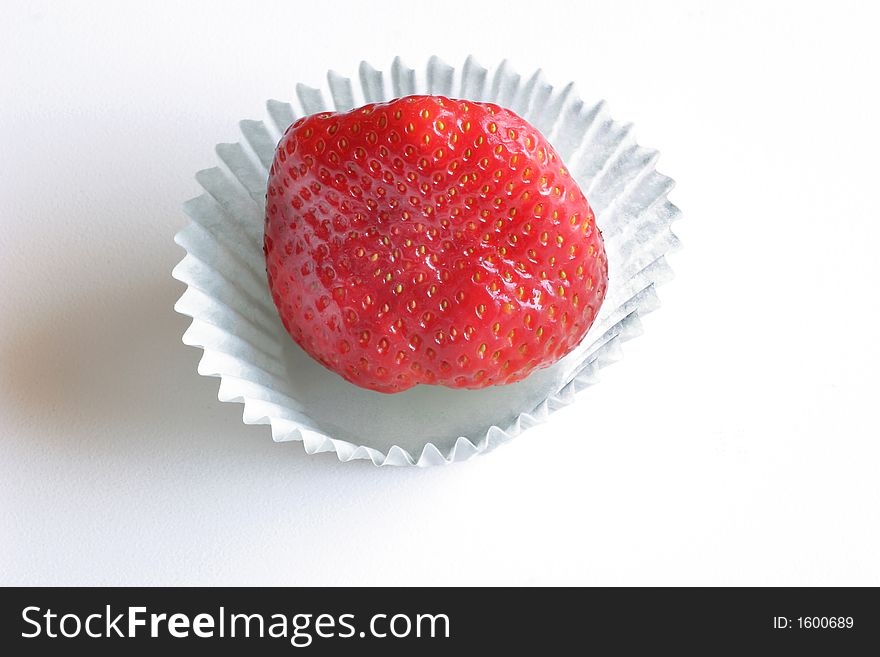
point(736, 443)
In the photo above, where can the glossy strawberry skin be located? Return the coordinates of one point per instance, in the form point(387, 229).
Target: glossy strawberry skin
point(429, 240)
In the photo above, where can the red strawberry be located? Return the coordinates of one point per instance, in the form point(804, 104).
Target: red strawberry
point(429, 240)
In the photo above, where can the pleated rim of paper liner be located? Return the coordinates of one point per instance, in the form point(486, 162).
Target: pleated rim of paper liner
point(235, 323)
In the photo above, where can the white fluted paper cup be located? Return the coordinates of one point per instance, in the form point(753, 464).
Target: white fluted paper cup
point(235, 322)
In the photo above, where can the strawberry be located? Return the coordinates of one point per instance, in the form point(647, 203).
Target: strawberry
point(429, 240)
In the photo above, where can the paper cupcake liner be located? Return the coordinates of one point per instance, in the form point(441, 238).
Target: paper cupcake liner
point(246, 346)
